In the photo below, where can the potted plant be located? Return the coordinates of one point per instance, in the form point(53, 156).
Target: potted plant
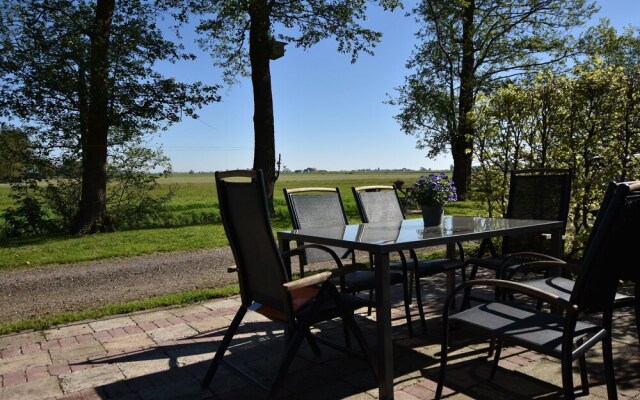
point(432, 193)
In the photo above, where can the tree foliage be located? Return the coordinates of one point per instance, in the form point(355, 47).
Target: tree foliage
point(239, 35)
point(467, 47)
point(588, 120)
point(48, 82)
point(15, 151)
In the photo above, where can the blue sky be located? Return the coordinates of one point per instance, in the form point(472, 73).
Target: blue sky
point(329, 114)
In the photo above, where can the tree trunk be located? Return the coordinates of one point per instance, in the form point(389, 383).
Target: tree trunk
point(92, 213)
point(462, 144)
point(264, 156)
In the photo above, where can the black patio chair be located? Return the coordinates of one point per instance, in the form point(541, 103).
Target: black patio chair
point(542, 193)
point(562, 285)
point(562, 334)
point(265, 285)
point(322, 208)
point(382, 204)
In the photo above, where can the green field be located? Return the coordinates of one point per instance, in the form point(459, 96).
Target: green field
point(195, 201)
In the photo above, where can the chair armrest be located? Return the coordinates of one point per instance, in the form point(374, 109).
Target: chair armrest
point(517, 287)
point(544, 264)
point(298, 251)
point(340, 271)
point(307, 281)
point(321, 277)
point(530, 255)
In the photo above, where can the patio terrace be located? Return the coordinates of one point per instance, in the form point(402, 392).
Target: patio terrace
point(163, 354)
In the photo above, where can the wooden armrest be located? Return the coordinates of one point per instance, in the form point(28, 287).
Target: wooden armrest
point(307, 281)
point(321, 277)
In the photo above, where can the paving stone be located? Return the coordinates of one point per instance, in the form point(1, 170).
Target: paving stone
point(68, 331)
point(233, 302)
point(39, 389)
point(151, 316)
point(188, 310)
point(193, 353)
point(182, 389)
point(23, 362)
point(81, 351)
point(210, 324)
point(21, 339)
point(90, 378)
point(14, 378)
point(173, 332)
point(113, 323)
point(145, 367)
point(175, 357)
point(127, 342)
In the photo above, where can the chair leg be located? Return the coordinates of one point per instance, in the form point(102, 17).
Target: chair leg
point(607, 356)
point(423, 321)
point(312, 343)
point(292, 348)
point(492, 347)
point(466, 299)
point(347, 338)
point(584, 378)
point(226, 340)
point(407, 302)
point(637, 302)
point(349, 320)
point(444, 348)
point(496, 358)
point(567, 376)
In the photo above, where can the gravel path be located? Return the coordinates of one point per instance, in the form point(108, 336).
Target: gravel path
point(51, 289)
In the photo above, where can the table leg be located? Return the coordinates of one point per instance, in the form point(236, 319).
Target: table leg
point(556, 244)
point(383, 327)
point(451, 275)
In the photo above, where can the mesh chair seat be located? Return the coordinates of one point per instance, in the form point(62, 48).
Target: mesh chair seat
point(522, 326)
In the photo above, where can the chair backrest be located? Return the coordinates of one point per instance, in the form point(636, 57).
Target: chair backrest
point(378, 203)
point(314, 208)
point(245, 216)
point(610, 254)
point(537, 194)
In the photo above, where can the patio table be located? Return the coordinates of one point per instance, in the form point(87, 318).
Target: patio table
point(380, 239)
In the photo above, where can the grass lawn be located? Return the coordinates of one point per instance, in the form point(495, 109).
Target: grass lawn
point(195, 195)
point(195, 200)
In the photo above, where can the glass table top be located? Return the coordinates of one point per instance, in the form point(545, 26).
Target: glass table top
point(411, 232)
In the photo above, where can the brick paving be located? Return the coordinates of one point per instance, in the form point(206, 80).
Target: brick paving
point(163, 354)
